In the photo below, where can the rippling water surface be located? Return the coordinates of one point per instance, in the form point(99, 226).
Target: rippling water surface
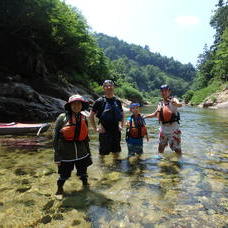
point(150, 192)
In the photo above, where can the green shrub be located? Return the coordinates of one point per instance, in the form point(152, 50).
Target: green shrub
point(213, 99)
point(120, 92)
point(201, 94)
point(96, 88)
point(188, 96)
point(127, 91)
point(132, 94)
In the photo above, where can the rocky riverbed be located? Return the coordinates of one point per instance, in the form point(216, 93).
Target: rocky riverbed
point(150, 192)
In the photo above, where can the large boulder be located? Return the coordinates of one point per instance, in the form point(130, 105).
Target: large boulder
point(35, 99)
point(20, 102)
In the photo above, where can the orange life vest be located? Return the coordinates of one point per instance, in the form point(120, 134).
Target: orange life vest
point(75, 130)
point(137, 131)
point(166, 115)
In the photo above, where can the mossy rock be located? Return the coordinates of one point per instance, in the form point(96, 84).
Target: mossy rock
point(46, 219)
point(58, 217)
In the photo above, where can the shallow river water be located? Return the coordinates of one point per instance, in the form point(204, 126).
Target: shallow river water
point(150, 192)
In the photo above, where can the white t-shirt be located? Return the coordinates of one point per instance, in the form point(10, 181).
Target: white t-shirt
point(173, 108)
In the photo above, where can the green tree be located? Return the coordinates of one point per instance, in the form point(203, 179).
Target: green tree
point(47, 37)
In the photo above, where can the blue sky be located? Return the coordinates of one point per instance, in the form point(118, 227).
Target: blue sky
point(174, 28)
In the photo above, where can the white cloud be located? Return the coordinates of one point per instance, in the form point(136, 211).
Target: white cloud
point(187, 20)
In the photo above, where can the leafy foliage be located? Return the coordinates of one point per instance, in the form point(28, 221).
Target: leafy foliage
point(145, 70)
point(115, 49)
point(213, 63)
point(44, 37)
point(51, 40)
point(201, 94)
point(188, 96)
point(130, 93)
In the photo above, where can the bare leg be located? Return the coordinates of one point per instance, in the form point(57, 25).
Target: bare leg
point(139, 156)
point(178, 152)
point(101, 158)
point(116, 156)
point(161, 148)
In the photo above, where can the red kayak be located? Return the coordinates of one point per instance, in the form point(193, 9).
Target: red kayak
point(21, 129)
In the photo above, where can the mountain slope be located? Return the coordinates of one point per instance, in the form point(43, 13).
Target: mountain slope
point(146, 69)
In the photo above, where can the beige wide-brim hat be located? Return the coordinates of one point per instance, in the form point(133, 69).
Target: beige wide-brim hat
point(77, 97)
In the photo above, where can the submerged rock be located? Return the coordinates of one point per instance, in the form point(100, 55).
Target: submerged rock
point(76, 222)
point(25, 189)
point(48, 205)
point(20, 172)
point(58, 217)
point(46, 219)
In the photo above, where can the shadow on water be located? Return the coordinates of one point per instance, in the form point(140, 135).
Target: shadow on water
point(84, 199)
point(95, 205)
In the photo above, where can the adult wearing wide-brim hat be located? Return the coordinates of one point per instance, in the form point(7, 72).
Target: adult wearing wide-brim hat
point(71, 141)
point(77, 97)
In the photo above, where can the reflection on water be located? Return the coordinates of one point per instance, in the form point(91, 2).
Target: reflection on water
point(146, 192)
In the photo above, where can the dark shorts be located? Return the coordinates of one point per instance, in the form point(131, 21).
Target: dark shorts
point(109, 142)
point(66, 168)
point(134, 149)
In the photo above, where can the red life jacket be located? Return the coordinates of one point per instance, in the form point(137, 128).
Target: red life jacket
point(75, 130)
point(137, 127)
point(166, 115)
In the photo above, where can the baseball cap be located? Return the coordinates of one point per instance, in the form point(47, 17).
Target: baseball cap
point(134, 105)
point(164, 87)
point(110, 82)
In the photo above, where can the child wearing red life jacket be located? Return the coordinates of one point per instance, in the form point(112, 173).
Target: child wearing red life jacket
point(135, 132)
point(168, 117)
point(71, 142)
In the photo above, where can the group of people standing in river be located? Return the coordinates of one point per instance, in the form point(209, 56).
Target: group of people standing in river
point(71, 141)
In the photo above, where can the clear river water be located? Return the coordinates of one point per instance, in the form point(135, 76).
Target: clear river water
point(147, 192)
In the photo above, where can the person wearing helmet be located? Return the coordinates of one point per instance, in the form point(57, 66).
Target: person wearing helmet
point(108, 109)
point(169, 117)
point(71, 142)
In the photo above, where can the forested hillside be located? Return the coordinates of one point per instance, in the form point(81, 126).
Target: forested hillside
point(45, 38)
point(47, 54)
point(212, 69)
point(145, 69)
point(47, 45)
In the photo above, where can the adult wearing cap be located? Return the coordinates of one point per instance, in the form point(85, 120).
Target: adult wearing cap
point(168, 116)
point(71, 142)
point(108, 109)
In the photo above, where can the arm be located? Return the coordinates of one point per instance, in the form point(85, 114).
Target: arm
point(94, 111)
point(152, 115)
point(122, 114)
point(122, 121)
point(176, 102)
point(147, 136)
point(92, 121)
point(58, 125)
point(127, 124)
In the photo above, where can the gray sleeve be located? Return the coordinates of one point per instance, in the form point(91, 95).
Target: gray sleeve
point(58, 125)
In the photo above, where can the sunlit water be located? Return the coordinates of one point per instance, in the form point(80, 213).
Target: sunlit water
point(151, 192)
